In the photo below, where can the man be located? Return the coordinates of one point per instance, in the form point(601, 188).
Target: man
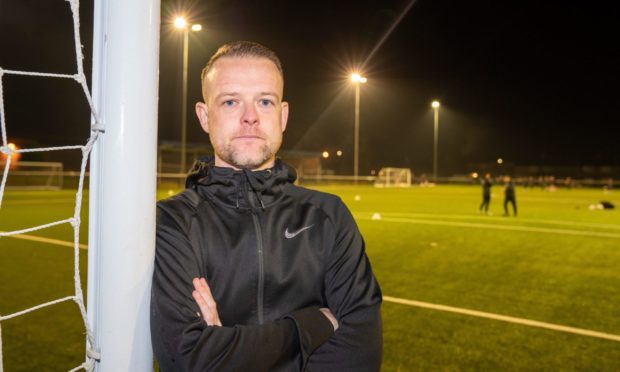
point(253, 273)
point(486, 194)
point(509, 196)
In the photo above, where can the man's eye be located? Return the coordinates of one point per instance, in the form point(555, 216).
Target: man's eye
point(228, 103)
point(265, 102)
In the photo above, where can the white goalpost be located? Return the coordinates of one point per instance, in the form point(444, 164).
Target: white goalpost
point(122, 148)
point(123, 182)
point(393, 177)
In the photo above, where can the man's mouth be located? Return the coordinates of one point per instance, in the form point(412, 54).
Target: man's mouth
point(250, 137)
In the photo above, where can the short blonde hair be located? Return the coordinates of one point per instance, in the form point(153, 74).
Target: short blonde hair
point(242, 49)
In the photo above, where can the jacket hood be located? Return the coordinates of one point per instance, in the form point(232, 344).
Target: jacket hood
point(243, 189)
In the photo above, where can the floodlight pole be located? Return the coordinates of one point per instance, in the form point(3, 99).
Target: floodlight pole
point(184, 103)
point(356, 151)
point(181, 22)
point(357, 80)
point(435, 106)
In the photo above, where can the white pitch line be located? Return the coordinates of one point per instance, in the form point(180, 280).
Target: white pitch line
point(505, 318)
point(46, 240)
point(498, 227)
point(502, 219)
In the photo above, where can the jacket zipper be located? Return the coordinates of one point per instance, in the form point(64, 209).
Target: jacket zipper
point(261, 273)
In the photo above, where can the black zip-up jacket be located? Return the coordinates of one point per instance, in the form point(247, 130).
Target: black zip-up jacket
point(273, 253)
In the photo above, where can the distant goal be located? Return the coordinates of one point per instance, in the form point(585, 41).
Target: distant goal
point(35, 175)
point(393, 177)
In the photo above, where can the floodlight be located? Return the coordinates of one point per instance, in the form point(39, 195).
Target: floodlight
point(180, 22)
point(435, 104)
point(197, 27)
point(357, 78)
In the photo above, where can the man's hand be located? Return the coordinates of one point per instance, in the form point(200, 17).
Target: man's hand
point(206, 303)
point(328, 314)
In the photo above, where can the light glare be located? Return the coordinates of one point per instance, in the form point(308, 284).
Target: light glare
point(196, 27)
point(357, 78)
point(12, 148)
point(325, 154)
point(435, 104)
point(180, 22)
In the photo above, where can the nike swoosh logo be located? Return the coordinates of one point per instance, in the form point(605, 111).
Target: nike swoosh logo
point(290, 235)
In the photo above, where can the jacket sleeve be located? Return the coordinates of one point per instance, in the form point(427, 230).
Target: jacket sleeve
point(183, 342)
point(353, 295)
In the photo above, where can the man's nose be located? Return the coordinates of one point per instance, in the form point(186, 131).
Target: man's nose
point(250, 116)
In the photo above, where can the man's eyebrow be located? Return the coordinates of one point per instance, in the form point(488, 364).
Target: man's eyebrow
point(223, 94)
point(273, 94)
point(236, 94)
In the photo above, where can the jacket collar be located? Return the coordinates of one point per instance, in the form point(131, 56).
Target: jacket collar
point(243, 189)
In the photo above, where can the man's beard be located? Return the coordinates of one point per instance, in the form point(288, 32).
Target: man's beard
point(241, 159)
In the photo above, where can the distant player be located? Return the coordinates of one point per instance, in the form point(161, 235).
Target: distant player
point(486, 194)
point(509, 196)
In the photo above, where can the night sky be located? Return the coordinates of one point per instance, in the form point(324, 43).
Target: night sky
point(532, 82)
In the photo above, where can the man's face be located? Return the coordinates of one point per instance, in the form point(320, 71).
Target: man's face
point(243, 111)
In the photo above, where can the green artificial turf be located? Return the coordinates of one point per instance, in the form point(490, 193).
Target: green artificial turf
point(557, 262)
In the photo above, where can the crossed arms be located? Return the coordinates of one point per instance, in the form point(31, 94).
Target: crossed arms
point(208, 307)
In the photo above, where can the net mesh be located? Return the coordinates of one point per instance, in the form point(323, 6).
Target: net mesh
point(9, 151)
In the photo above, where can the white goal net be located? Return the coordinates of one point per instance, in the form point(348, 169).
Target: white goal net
point(48, 175)
point(393, 177)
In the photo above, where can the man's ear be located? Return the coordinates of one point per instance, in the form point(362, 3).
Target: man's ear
point(203, 115)
point(284, 118)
